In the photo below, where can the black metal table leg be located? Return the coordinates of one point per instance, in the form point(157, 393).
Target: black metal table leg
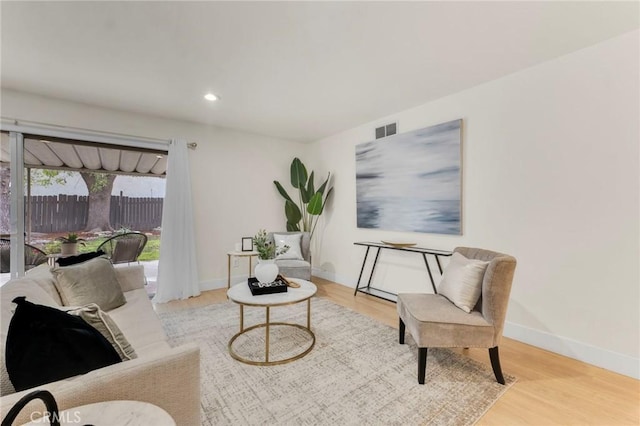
point(364, 262)
point(373, 268)
point(433, 284)
point(438, 262)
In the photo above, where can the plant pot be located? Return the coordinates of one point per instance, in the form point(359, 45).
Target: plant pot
point(266, 270)
point(69, 249)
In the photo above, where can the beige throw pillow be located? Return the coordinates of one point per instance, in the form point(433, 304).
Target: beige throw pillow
point(93, 281)
point(101, 321)
point(462, 281)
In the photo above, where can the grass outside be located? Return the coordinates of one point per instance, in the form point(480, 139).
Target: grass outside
point(151, 249)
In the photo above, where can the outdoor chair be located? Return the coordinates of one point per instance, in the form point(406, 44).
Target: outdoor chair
point(124, 248)
point(434, 321)
point(33, 256)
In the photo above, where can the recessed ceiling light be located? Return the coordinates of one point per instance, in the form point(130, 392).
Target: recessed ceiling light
point(211, 97)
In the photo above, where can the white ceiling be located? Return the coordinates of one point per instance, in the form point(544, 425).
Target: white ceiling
point(295, 70)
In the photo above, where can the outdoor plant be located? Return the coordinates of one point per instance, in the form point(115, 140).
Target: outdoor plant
point(123, 230)
point(71, 238)
point(266, 249)
point(303, 215)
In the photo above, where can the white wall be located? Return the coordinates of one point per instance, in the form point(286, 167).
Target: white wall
point(232, 172)
point(551, 176)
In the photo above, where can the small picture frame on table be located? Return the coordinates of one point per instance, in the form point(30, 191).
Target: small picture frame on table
point(247, 244)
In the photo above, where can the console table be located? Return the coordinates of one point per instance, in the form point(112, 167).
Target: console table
point(379, 246)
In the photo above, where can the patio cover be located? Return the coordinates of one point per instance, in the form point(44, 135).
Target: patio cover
point(71, 155)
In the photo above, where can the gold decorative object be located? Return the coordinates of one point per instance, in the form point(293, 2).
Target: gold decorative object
point(399, 245)
point(291, 284)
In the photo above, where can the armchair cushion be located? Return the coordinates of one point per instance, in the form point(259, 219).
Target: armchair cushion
point(434, 321)
point(462, 281)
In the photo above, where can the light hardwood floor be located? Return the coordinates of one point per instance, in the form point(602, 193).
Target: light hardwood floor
point(551, 389)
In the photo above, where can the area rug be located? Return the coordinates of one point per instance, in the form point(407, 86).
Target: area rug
point(356, 374)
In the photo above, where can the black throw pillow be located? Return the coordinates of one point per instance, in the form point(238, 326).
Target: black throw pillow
point(82, 257)
point(45, 344)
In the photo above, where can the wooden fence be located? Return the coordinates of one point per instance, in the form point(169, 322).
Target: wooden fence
point(65, 213)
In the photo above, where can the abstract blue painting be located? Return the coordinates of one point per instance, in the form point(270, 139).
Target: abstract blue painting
point(411, 181)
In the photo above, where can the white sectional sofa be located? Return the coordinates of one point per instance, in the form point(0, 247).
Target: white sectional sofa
point(161, 375)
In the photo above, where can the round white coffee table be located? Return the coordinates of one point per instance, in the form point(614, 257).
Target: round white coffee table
point(241, 295)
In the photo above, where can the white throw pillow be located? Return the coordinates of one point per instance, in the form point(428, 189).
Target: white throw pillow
point(291, 240)
point(462, 281)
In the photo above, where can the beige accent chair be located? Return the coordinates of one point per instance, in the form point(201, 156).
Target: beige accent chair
point(434, 321)
point(295, 268)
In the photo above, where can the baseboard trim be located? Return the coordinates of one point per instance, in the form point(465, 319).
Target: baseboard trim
point(332, 276)
point(212, 284)
point(221, 282)
point(599, 357)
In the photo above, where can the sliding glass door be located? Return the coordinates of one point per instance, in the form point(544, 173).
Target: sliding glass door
point(12, 249)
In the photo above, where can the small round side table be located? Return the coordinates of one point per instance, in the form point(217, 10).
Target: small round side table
point(234, 253)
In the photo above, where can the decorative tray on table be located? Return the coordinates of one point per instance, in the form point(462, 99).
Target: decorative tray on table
point(278, 286)
point(398, 244)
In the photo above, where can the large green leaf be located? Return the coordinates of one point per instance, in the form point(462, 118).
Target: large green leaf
point(324, 185)
point(307, 191)
point(326, 199)
point(298, 174)
point(282, 191)
point(292, 227)
point(315, 205)
point(292, 212)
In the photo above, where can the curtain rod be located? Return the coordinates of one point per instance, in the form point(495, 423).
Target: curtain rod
point(44, 126)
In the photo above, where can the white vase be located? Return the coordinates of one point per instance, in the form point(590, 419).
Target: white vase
point(266, 270)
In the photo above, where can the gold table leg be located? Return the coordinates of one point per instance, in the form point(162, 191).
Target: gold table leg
point(267, 325)
point(266, 339)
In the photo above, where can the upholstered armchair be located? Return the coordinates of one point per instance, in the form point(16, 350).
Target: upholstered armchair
point(292, 265)
point(434, 321)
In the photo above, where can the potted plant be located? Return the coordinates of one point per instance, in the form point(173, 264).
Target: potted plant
point(266, 269)
point(70, 243)
point(303, 215)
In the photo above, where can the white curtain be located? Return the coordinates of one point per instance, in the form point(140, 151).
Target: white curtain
point(177, 270)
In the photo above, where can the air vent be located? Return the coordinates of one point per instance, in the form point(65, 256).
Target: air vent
point(388, 130)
